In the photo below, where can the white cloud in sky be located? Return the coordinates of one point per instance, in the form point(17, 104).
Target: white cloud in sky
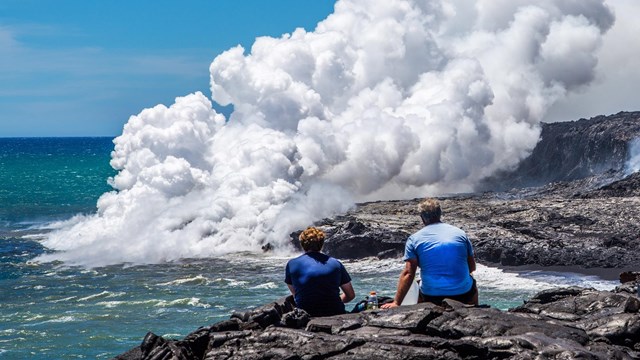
point(617, 74)
point(385, 99)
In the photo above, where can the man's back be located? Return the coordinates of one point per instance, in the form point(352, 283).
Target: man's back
point(317, 279)
point(442, 251)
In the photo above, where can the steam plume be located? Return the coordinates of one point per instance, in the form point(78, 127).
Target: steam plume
point(633, 163)
point(384, 99)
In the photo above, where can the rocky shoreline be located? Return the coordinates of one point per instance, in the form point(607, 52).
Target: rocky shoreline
point(564, 323)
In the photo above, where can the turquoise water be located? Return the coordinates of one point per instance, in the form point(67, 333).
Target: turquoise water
point(52, 311)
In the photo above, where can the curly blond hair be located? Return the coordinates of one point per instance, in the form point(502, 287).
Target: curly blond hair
point(312, 239)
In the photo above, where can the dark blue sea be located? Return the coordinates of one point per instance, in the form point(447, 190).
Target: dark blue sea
point(56, 311)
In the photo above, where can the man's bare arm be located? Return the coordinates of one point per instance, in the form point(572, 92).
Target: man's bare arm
point(348, 293)
point(472, 264)
point(404, 283)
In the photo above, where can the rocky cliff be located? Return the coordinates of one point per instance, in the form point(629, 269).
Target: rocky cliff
point(573, 150)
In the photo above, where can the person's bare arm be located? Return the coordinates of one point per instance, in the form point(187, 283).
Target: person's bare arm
point(348, 293)
point(472, 264)
point(293, 291)
point(404, 283)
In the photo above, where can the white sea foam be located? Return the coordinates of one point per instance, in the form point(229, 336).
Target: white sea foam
point(267, 285)
point(121, 303)
point(63, 299)
point(160, 303)
point(232, 282)
point(104, 294)
point(61, 319)
point(384, 99)
point(193, 302)
point(196, 280)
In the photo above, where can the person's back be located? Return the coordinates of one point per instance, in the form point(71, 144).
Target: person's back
point(442, 251)
point(445, 257)
point(317, 278)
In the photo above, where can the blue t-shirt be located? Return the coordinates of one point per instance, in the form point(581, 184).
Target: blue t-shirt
point(442, 251)
point(316, 279)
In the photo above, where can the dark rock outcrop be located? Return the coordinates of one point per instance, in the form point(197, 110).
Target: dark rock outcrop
point(566, 323)
point(574, 150)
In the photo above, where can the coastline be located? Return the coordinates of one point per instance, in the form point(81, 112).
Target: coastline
point(602, 273)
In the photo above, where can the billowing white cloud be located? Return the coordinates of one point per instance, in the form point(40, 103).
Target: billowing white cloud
point(617, 73)
point(384, 99)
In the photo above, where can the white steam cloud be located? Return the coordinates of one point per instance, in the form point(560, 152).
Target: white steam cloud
point(633, 163)
point(384, 99)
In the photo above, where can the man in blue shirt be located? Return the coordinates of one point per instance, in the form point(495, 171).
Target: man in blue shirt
point(445, 256)
point(315, 279)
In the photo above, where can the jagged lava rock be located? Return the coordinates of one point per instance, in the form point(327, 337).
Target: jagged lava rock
point(564, 323)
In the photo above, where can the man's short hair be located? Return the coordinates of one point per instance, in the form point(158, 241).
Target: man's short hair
point(312, 239)
point(430, 210)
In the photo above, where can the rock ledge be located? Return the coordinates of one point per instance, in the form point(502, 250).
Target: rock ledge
point(563, 323)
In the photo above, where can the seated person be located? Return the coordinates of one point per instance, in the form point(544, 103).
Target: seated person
point(445, 257)
point(315, 279)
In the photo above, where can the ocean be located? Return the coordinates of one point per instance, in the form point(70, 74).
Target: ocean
point(57, 311)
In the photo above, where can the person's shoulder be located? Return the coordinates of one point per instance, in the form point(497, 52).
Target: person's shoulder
point(296, 259)
point(454, 228)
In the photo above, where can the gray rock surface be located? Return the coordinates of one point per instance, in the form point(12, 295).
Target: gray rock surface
point(564, 323)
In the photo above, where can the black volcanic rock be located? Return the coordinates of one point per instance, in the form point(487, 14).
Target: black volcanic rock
point(626, 187)
point(564, 323)
point(355, 239)
point(573, 150)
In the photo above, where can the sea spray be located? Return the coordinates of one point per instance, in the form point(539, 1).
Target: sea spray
point(388, 99)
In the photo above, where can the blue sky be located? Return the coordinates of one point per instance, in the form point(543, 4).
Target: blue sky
point(81, 68)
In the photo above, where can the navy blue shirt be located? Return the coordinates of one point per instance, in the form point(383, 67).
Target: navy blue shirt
point(316, 279)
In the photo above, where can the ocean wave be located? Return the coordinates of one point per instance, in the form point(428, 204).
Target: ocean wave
point(373, 265)
point(120, 303)
point(104, 294)
point(63, 299)
point(196, 280)
point(231, 282)
point(191, 302)
point(268, 285)
point(61, 319)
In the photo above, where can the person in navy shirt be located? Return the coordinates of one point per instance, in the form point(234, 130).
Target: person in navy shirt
point(315, 279)
point(445, 257)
